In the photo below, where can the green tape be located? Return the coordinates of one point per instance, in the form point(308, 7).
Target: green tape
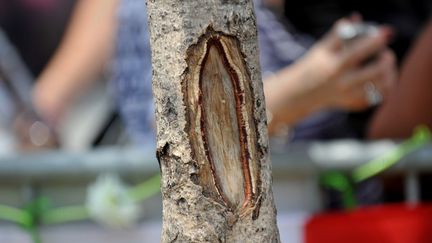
point(146, 189)
point(64, 214)
point(15, 215)
point(341, 183)
point(421, 136)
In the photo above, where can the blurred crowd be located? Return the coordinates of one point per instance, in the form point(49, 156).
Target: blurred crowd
point(321, 81)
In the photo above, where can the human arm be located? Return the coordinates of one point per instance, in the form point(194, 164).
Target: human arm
point(81, 56)
point(329, 77)
point(410, 100)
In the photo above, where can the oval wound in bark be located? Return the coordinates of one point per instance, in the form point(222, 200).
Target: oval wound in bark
point(221, 121)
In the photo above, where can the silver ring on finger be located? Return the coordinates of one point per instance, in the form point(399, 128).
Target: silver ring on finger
point(373, 95)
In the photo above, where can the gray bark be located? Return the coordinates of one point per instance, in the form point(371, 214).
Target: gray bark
point(212, 141)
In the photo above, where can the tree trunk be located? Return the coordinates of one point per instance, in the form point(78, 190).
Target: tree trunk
point(212, 142)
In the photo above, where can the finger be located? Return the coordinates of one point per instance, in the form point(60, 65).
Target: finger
point(331, 40)
point(392, 72)
point(367, 95)
point(389, 76)
point(358, 77)
point(362, 49)
point(358, 100)
point(376, 89)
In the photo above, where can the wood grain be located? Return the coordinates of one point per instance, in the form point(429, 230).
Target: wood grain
point(222, 121)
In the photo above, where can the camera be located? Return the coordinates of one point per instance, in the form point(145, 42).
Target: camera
point(349, 32)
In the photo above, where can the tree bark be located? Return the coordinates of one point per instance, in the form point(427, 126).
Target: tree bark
point(212, 142)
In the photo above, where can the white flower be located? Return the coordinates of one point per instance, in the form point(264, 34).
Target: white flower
point(109, 203)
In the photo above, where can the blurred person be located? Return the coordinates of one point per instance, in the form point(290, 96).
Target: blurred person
point(103, 35)
point(405, 105)
point(29, 30)
point(325, 78)
point(408, 100)
point(313, 87)
point(25, 25)
point(19, 121)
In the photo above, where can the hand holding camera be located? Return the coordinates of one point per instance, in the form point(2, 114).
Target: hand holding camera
point(356, 68)
point(350, 69)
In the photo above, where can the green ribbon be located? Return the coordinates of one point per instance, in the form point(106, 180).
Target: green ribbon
point(39, 210)
point(421, 136)
point(342, 183)
point(64, 214)
point(15, 215)
point(146, 189)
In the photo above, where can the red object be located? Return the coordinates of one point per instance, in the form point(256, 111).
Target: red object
point(378, 224)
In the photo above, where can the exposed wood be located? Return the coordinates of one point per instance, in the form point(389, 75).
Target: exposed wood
point(222, 130)
point(211, 126)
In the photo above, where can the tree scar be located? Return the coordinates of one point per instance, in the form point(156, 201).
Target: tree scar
point(221, 122)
